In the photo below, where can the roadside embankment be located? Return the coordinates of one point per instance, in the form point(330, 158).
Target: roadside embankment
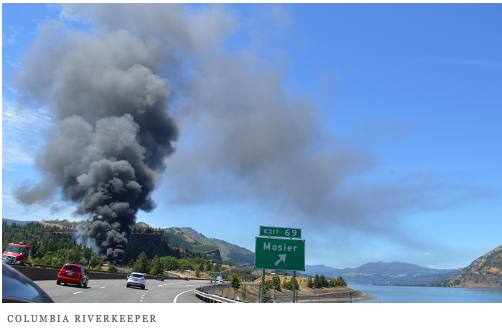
point(250, 293)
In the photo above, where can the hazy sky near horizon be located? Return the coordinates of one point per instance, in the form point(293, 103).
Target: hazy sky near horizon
point(376, 128)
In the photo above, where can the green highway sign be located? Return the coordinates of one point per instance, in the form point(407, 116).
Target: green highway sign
point(281, 232)
point(280, 254)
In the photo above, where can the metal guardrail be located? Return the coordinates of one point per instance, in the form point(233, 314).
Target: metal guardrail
point(88, 270)
point(209, 298)
point(250, 293)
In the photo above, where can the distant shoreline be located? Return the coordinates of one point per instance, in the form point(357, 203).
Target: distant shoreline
point(425, 286)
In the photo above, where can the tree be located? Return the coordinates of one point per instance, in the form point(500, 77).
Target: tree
point(310, 284)
point(96, 261)
point(216, 267)
point(74, 255)
point(243, 293)
point(288, 284)
point(185, 264)
point(266, 296)
point(324, 282)
point(87, 254)
point(170, 263)
point(276, 282)
point(112, 269)
point(317, 281)
point(156, 266)
point(236, 282)
point(341, 282)
point(142, 265)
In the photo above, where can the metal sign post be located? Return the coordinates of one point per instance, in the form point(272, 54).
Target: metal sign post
point(294, 286)
point(262, 299)
point(283, 249)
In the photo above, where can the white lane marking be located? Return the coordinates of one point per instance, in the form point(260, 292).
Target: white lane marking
point(78, 292)
point(102, 288)
point(175, 298)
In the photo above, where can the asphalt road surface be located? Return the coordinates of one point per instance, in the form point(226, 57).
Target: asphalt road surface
point(115, 291)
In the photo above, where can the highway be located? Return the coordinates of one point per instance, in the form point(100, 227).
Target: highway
point(115, 291)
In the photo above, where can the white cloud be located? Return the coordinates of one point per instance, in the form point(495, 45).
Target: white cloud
point(428, 254)
point(66, 17)
point(11, 38)
point(11, 209)
point(431, 266)
point(12, 64)
point(22, 131)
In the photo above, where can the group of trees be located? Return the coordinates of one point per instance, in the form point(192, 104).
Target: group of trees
point(321, 281)
point(145, 230)
point(278, 284)
point(56, 246)
point(50, 245)
point(157, 265)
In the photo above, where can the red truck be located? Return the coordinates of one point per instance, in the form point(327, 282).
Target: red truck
point(16, 254)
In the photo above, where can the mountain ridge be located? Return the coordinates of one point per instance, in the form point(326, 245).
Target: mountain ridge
point(483, 272)
point(376, 273)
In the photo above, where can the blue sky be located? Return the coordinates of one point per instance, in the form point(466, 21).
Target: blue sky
point(373, 127)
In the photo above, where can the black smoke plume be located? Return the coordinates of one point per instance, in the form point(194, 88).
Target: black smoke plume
point(113, 132)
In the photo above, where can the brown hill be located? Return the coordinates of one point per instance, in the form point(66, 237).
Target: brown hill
point(484, 272)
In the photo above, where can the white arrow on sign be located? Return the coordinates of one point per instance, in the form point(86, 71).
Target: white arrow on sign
point(281, 258)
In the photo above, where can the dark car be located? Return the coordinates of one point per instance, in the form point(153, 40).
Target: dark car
point(17, 288)
point(160, 277)
point(72, 273)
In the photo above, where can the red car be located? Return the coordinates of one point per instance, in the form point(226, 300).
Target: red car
point(185, 278)
point(72, 273)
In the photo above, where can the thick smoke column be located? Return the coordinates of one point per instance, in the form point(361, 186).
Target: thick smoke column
point(113, 132)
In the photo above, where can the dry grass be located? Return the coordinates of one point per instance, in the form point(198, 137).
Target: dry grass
point(250, 293)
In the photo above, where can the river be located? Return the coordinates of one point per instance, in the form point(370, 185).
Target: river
point(401, 294)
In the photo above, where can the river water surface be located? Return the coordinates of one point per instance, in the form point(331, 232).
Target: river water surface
point(400, 294)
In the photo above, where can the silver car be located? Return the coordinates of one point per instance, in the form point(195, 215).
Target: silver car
point(136, 280)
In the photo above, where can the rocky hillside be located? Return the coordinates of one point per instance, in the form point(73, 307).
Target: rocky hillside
point(189, 239)
point(484, 272)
